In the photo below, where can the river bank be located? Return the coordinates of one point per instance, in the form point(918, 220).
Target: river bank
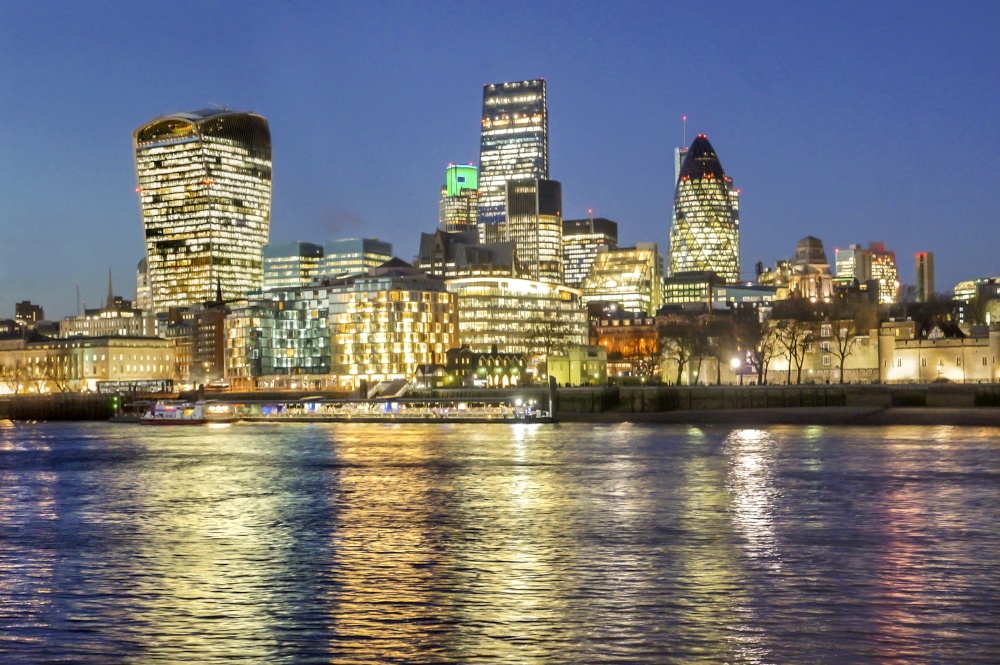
point(829, 415)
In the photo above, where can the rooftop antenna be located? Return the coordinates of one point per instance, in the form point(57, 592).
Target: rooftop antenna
point(684, 119)
point(78, 300)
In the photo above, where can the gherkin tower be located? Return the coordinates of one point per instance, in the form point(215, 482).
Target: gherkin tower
point(705, 234)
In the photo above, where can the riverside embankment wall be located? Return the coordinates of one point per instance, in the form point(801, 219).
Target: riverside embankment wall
point(619, 402)
point(658, 399)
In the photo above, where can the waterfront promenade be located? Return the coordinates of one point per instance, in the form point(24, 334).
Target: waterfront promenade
point(940, 404)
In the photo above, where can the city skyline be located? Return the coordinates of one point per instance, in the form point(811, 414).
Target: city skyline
point(794, 117)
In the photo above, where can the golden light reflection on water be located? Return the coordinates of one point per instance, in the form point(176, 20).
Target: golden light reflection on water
point(465, 543)
point(751, 486)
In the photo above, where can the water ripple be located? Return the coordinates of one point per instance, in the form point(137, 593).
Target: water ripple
point(350, 543)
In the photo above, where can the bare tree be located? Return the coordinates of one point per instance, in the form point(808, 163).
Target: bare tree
point(722, 344)
point(679, 342)
point(849, 321)
point(791, 337)
point(14, 374)
point(57, 371)
point(760, 338)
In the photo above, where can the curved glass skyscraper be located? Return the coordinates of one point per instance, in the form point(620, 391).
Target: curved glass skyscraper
point(705, 234)
point(205, 192)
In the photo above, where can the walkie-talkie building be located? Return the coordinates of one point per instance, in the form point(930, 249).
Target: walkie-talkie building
point(705, 234)
point(205, 192)
point(514, 143)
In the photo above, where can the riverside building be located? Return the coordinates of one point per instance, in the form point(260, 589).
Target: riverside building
point(83, 363)
point(204, 185)
point(518, 315)
point(705, 233)
point(377, 326)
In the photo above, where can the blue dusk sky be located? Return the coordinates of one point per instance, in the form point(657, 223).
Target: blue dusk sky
point(849, 121)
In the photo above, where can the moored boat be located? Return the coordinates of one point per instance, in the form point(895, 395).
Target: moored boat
point(175, 413)
point(188, 413)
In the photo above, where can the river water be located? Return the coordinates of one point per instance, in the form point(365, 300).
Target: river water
point(526, 543)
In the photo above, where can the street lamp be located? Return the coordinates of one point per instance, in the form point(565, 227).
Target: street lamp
point(735, 364)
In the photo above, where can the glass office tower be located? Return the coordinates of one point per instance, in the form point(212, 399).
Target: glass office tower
point(291, 264)
point(582, 240)
point(514, 142)
point(534, 225)
point(205, 192)
point(459, 206)
point(705, 235)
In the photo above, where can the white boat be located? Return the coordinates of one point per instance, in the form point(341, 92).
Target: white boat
point(188, 413)
point(175, 413)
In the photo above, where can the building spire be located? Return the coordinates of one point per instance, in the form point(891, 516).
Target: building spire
point(111, 293)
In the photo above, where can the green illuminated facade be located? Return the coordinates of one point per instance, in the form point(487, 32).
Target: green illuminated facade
point(459, 207)
point(204, 184)
point(705, 234)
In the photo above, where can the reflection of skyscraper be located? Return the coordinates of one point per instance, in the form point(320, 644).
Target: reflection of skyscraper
point(459, 207)
point(205, 193)
point(514, 142)
point(925, 276)
point(705, 234)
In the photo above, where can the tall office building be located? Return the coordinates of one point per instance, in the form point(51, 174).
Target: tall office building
point(884, 271)
point(705, 234)
point(855, 262)
point(925, 276)
point(582, 239)
point(353, 256)
point(205, 192)
point(514, 143)
point(291, 264)
point(459, 207)
point(534, 225)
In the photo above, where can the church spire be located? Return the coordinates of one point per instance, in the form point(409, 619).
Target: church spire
point(111, 293)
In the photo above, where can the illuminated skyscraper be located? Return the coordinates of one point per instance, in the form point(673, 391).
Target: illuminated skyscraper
point(534, 225)
point(705, 234)
point(885, 272)
point(205, 192)
point(514, 142)
point(582, 239)
point(459, 208)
